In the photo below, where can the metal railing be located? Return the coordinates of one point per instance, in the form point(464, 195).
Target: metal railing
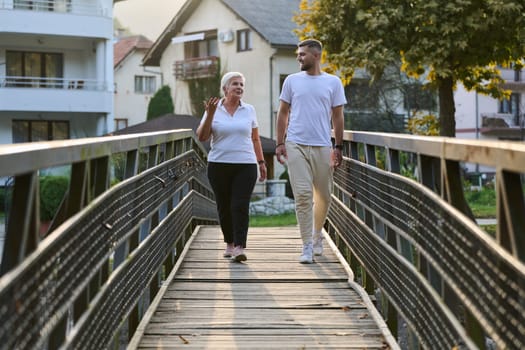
point(415, 240)
point(51, 83)
point(84, 284)
point(196, 68)
point(87, 8)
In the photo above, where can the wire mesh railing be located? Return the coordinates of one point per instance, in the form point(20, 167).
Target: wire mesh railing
point(85, 283)
point(51, 83)
point(414, 239)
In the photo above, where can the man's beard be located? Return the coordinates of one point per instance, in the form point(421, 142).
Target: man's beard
point(305, 66)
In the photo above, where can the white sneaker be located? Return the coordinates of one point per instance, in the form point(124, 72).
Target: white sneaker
point(228, 252)
point(318, 245)
point(307, 257)
point(238, 254)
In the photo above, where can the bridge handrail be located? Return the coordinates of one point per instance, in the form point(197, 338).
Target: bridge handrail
point(416, 240)
point(21, 158)
point(87, 280)
point(507, 155)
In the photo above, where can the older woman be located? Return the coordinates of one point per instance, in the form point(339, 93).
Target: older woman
point(235, 153)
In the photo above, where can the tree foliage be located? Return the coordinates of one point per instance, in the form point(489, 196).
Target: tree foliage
point(161, 103)
point(202, 89)
point(450, 40)
point(427, 124)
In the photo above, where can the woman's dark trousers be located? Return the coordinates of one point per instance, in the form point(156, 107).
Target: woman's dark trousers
point(233, 185)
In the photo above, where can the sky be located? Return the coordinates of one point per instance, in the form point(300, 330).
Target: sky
point(146, 17)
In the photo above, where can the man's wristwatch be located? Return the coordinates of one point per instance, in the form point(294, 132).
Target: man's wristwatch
point(339, 147)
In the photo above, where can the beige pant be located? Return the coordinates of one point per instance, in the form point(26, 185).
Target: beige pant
point(311, 178)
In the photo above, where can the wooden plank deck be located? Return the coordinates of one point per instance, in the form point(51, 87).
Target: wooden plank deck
point(271, 301)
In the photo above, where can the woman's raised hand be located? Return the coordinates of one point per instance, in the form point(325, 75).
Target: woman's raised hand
point(211, 105)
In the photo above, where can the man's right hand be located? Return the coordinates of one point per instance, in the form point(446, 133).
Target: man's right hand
point(280, 152)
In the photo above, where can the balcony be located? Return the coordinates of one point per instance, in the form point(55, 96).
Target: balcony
point(57, 6)
point(501, 125)
point(54, 94)
point(56, 17)
point(196, 68)
point(515, 86)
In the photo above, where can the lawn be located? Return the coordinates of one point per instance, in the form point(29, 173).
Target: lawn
point(274, 220)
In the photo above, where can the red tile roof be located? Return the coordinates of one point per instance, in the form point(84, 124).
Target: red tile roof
point(123, 47)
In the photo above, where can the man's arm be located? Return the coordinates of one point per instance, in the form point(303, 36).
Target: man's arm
point(282, 125)
point(338, 123)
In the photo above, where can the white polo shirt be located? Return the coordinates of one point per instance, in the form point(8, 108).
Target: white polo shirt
point(231, 136)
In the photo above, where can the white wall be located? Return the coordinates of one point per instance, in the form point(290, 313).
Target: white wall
point(128, 104)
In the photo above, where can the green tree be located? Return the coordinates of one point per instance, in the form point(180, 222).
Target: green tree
point(450, 40)
point(201, 89)
point(161, 103)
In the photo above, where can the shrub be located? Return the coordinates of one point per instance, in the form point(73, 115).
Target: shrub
point(161, 103)
point(52, 191)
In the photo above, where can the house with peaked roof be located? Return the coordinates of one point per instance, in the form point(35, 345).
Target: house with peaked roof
point(210, 37)
point(135, 85)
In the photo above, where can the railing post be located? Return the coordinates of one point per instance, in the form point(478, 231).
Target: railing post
point(23, 224)
point(392, 161)
point(511, 214)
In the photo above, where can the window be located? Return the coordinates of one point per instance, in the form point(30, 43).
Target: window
point(417, 98)
point(39, 130)
point(244, 40)
point(44, 67)
point(202, 48)
point(145, 84)
point(511, 105)
point(361, 95)
point(121, 123)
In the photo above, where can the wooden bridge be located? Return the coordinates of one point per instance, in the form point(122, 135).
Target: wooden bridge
point(132, 258)
point(269, 302)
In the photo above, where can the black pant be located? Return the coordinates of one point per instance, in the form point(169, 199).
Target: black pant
point(233, 185)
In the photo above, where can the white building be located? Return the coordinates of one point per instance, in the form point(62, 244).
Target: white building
point(483, 117)
point(135, 84)
point(253, 37)
point(56, 69)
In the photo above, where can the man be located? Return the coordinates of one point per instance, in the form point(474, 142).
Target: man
point(311, 102)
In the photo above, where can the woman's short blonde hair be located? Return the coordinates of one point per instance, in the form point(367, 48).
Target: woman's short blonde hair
point(225, 81)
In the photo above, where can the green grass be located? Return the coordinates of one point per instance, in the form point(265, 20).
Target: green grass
point(483, 211)
point(288, 219)
point(490, 229)
point(482, 203)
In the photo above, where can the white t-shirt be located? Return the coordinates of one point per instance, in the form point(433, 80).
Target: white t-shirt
point(231, 136)
point(311, 99)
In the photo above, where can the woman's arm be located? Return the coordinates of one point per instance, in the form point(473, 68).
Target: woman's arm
point(204, 130)
point(257, 147)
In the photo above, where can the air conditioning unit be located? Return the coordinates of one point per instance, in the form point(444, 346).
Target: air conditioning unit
point(226, 37)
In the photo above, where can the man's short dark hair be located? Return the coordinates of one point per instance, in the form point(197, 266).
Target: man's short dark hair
point(311, 43)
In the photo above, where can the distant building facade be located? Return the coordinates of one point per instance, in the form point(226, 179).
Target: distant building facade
point(56, 71)
point(135, 84)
